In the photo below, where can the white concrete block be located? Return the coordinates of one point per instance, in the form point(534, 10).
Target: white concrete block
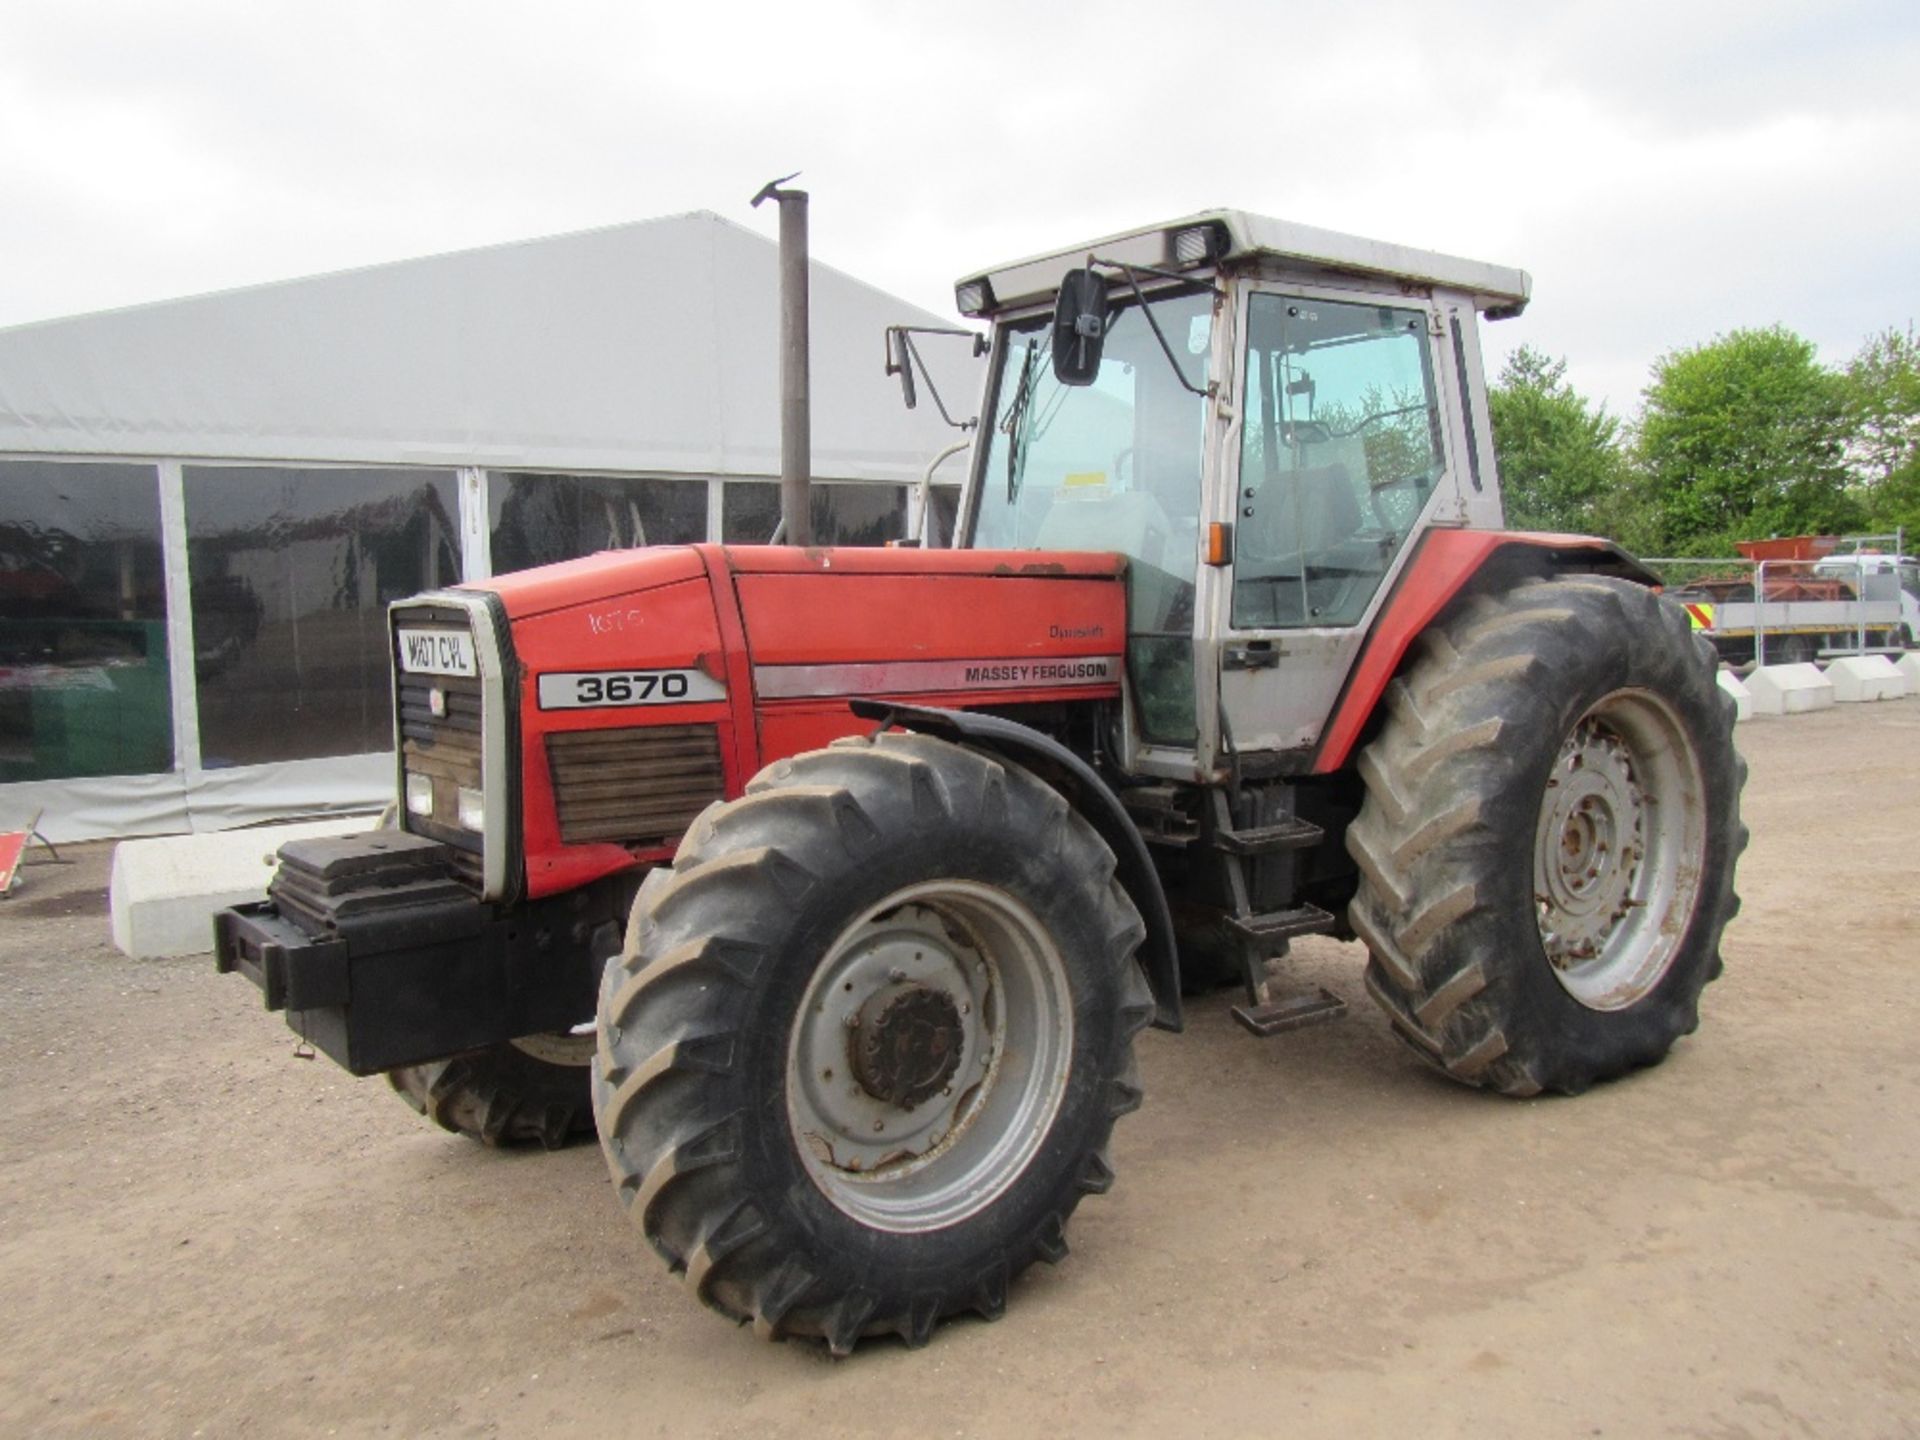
point(1742, 697)
point(1909, 666)
point(1789, 689)
point(163, 893)
point(1865, 677)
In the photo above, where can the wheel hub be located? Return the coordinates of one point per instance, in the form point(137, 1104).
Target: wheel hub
point(1590, 843)
point(907, 1045)
point(930, 1051)
point(892, 1016)
point(1617, 851)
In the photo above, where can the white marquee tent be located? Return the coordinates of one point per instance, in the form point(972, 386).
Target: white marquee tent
point(206, 504)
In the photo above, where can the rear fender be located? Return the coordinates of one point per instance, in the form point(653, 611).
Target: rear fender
point(1447, 563)
point(1098, 805)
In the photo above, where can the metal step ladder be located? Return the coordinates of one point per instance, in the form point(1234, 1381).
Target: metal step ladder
point(1265, 935)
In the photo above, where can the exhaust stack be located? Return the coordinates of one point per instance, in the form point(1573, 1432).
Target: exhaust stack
point(796, 418)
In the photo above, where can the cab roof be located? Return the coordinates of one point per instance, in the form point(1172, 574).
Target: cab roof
point(1498, 290)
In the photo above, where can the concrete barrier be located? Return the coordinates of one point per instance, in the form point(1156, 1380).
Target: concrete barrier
point(1909, 666)
point(1742, 697)
point(163, 893)
point(1856, 678)
point(1789, 689)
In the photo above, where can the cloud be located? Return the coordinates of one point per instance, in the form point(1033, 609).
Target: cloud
point(1665, 171)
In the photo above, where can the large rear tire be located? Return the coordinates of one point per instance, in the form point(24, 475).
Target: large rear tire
point(1548, 840)
point(863, 1052)
point(524, 1092)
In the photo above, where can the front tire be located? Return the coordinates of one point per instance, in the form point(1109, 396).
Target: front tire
point(1548, 839)
point(863, 1052)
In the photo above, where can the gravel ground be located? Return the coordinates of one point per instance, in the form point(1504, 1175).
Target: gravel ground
point(201, 1233)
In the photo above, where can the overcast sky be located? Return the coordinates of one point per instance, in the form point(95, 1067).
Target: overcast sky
point(1666, 171)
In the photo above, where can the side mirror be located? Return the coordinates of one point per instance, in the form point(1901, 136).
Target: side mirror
point(1079, 327)
point(900, 362)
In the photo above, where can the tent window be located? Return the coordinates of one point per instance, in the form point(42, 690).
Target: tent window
point(749, 512)
point(83, 633)
point(859, 514)
point(538, 519)
point(944, 503)
point(292, 572)
point(843, 514)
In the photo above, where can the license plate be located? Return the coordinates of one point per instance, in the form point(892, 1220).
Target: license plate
point(437, 652)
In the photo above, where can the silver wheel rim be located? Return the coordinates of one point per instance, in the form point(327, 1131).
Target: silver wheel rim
point(965, 987)
point(557, 1049)
point(1618, 850)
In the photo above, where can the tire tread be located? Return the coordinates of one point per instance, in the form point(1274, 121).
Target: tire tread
point(702, 939)
point(1432, 828)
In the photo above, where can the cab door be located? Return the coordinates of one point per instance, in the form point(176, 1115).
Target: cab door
point(1347, 428)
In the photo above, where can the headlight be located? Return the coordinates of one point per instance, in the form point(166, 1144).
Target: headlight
point(472, 809)
point(973, 298)
point(419, 794)
point(1195, 244)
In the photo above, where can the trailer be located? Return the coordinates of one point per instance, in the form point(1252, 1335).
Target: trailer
point(1796, 600)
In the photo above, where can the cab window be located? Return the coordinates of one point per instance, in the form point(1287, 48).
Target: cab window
point(1114, 465)
point(1340, 450)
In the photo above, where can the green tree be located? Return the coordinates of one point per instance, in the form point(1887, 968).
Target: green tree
point(1882, 390)
point(1561, 467)
point(1742, 438)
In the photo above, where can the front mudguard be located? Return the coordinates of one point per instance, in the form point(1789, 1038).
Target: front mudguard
point(1091, 796)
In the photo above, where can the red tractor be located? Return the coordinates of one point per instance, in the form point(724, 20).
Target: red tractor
point(833, 885)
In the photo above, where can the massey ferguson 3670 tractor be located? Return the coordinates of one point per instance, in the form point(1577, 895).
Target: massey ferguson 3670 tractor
point(833, 885)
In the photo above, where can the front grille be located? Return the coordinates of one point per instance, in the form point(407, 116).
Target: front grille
point(640, 786)
point(447, 746)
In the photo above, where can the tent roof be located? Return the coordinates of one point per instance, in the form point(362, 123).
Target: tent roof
point(650, 346)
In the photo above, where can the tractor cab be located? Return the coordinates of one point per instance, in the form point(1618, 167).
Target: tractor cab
point(1264, 418)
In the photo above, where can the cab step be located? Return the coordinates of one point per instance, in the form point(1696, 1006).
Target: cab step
point(1291, 833)
point(1272, 926)
point(1294, 1012)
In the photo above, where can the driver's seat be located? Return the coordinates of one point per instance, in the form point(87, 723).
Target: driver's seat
point(1319, 498)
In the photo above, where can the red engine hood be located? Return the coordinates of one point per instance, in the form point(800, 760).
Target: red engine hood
point(616, 573)
point(608, 575)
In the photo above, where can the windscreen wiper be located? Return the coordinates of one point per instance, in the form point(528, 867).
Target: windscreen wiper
point(1014, 427)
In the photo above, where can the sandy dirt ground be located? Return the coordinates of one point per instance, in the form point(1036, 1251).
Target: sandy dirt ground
point(201, 1234)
